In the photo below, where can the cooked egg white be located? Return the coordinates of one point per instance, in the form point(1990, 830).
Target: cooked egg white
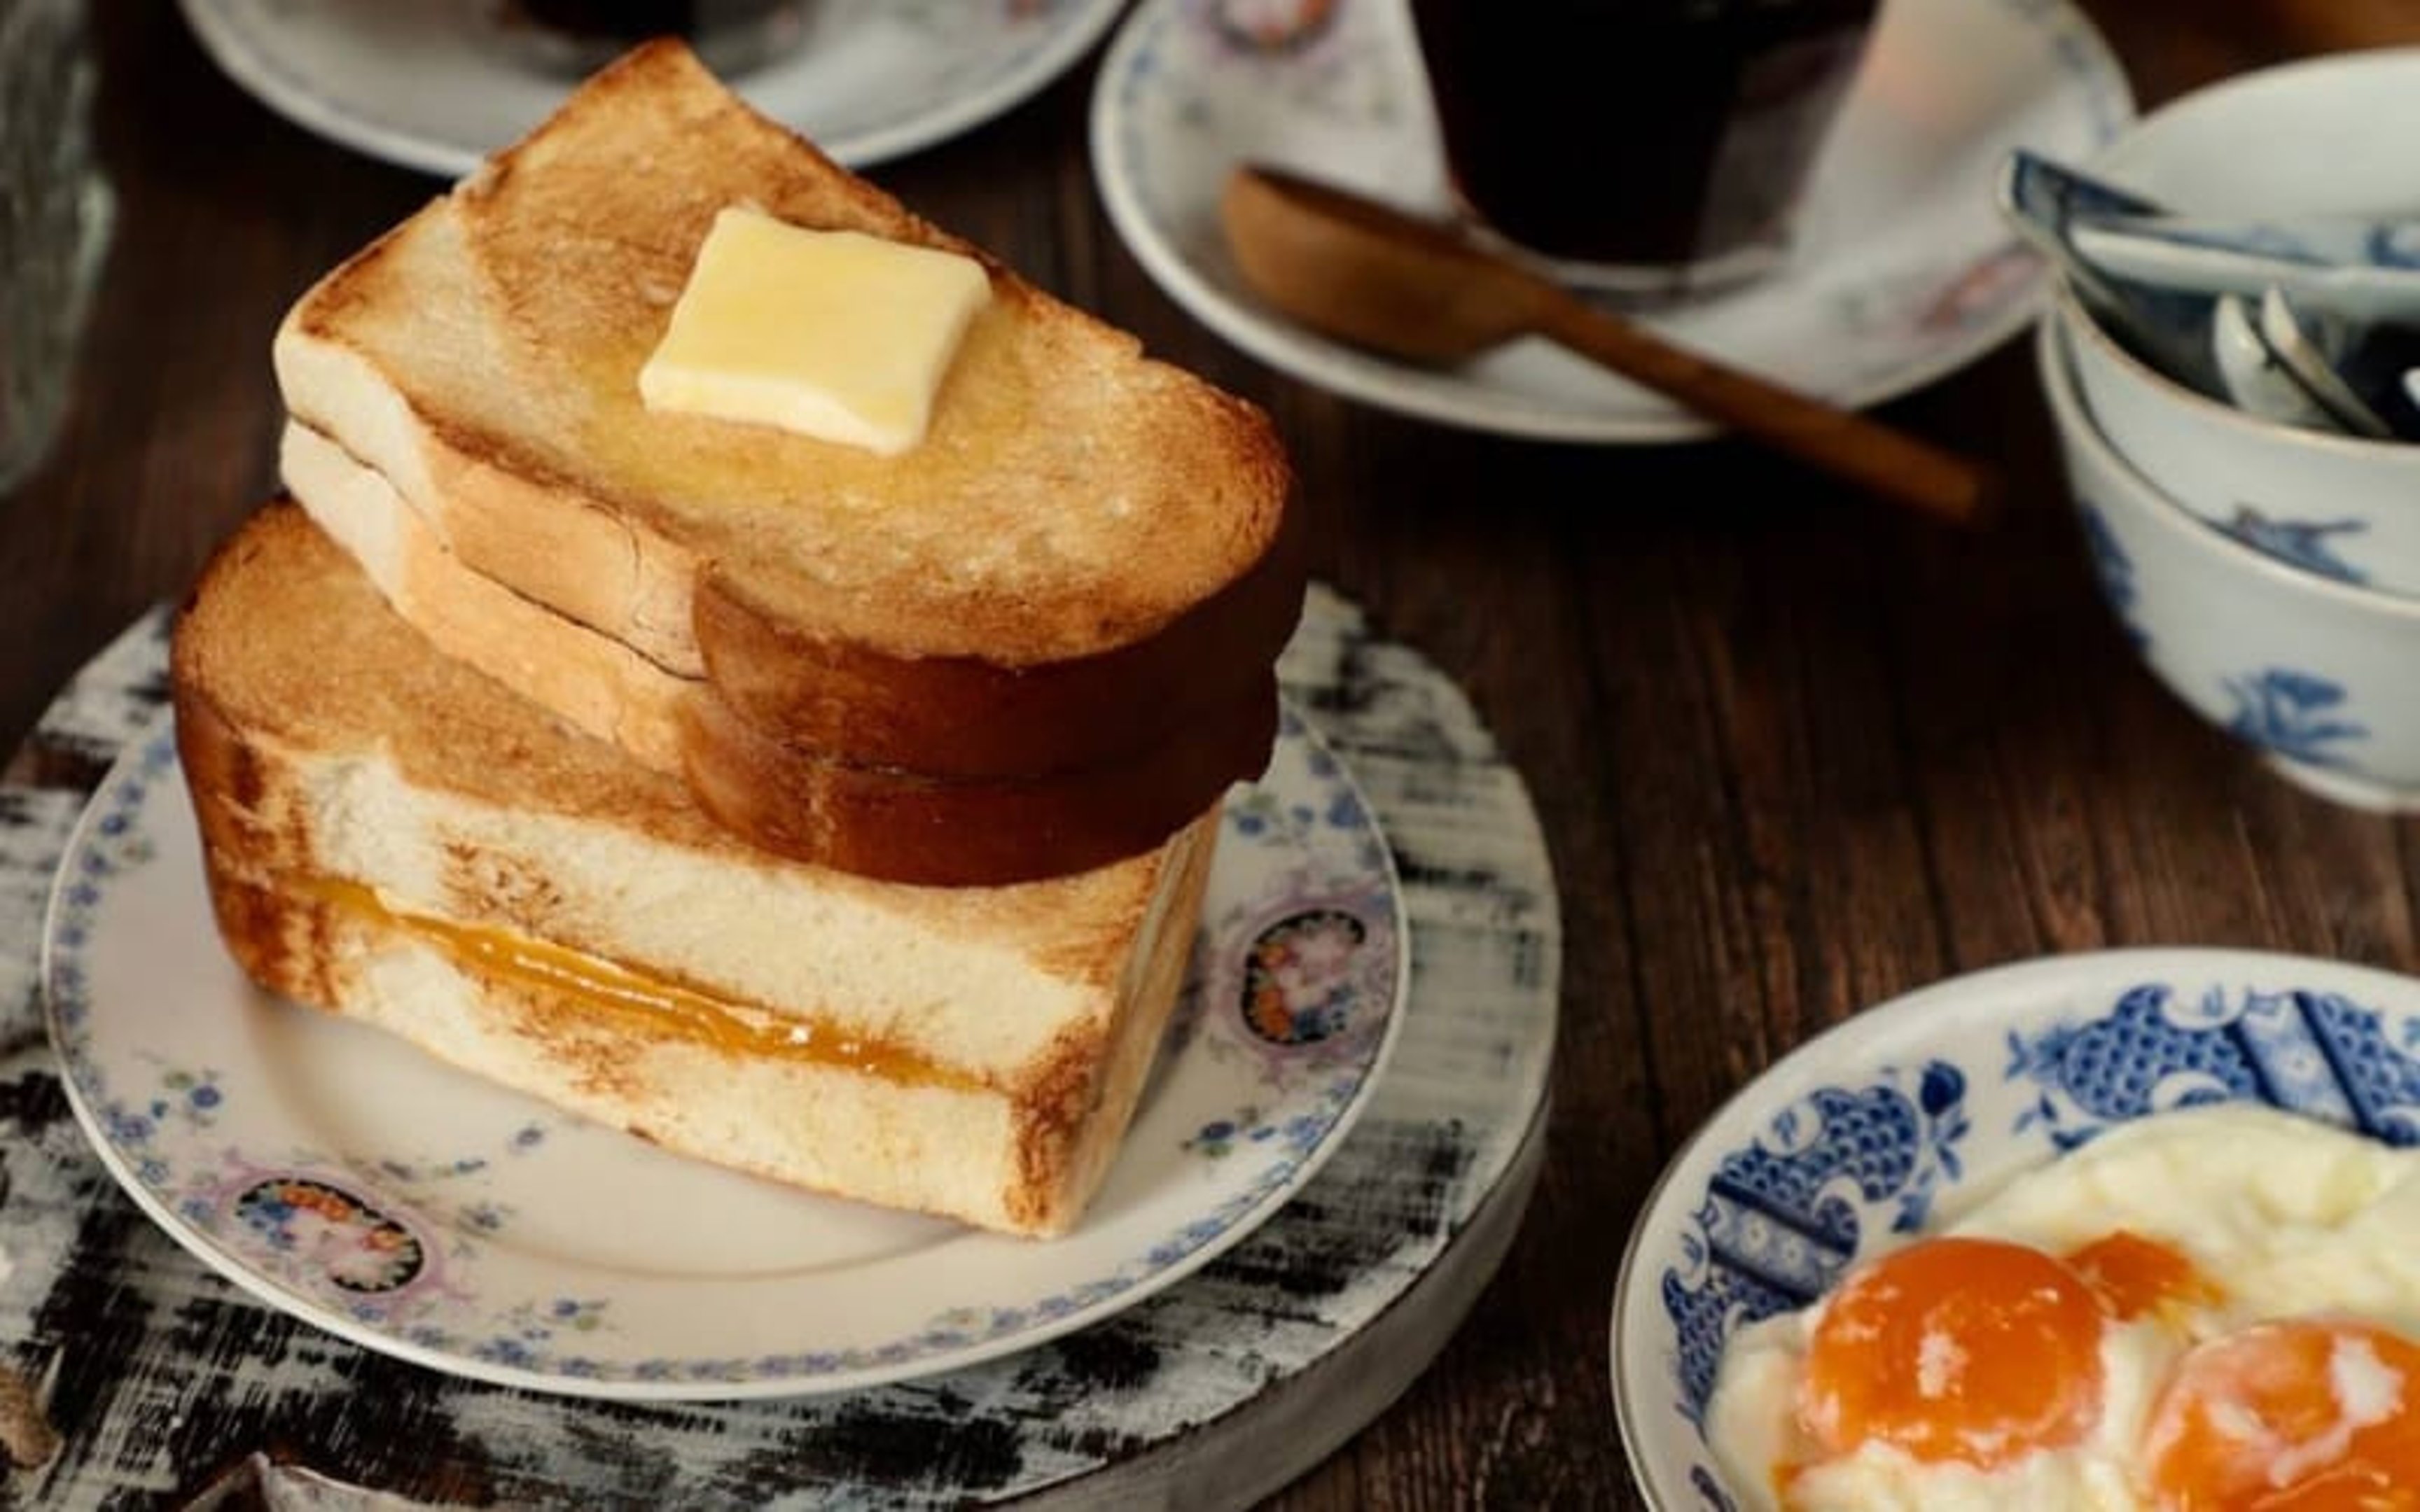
point(2270, 1215)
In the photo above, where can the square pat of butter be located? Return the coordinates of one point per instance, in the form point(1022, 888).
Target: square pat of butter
point(834, 334)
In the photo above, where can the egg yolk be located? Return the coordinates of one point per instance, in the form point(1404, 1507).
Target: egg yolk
point(1967, 1350)
point(2134, 1275)
point(2300, 1416)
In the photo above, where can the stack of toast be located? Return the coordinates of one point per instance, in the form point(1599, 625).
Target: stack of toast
point(835, 816)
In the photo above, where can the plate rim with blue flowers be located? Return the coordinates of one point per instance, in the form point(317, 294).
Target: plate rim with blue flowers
point(352, 1242)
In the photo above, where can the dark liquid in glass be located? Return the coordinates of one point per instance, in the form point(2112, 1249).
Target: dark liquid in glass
point(1649, 132)
point(584, 34)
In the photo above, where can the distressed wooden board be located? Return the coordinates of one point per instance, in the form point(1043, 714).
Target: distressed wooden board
point(165, 1380)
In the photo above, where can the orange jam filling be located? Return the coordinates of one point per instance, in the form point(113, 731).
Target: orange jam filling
point(658, 1004)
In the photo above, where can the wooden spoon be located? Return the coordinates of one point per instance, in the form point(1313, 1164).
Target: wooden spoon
point(1378, 277)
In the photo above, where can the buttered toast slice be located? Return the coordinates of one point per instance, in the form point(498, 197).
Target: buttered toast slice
point(1088, 550)
point(874, 821)
point(392, 837)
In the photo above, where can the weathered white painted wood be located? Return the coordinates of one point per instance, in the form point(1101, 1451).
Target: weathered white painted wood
point(166, 1379)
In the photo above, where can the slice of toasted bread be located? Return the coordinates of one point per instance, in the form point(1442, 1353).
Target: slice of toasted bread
point(391, 836)
point(878, 822)
point(1088, 549)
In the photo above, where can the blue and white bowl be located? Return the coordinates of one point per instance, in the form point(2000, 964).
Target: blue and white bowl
point(2316, 674)
point(1905, 1115)
point(2280, 143)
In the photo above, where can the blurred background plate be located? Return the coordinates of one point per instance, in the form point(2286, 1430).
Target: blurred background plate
point(1903, 271)
point(427, 85)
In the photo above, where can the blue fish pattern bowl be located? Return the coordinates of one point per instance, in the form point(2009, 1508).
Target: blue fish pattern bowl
point(2313, 673)
point(1892, 1121)
point(2253, 160)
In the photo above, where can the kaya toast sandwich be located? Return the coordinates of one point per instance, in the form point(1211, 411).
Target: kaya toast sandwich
point(1076, 584)
point(394, 837)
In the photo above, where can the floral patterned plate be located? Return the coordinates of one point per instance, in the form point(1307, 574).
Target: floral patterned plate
point(1900, 1119)
point(1903, 270)
point(428, 84)
point(420, 1211)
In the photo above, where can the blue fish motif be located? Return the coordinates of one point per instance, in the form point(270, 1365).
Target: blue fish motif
point(2295, 714)
point(2304, 543)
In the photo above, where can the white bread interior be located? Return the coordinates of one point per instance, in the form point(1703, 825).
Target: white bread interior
point(327, 743)
point(600, 685)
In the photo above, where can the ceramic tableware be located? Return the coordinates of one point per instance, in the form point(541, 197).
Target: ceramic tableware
point(2258, 381)
point(422, 1213)
point(2273, 143)
point(430, 85)
point(2281, 144)
point(2314, 345)
point(1900, 270)
point(2165, 328)
point(1905, 1115)
point(2248, 624)
point(2362, 268)
point(2320, 500)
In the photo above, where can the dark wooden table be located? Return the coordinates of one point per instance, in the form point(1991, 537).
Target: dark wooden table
point(1793, 754)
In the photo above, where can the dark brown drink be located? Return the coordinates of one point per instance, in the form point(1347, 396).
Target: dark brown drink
point(577, 36)
point(1648, 135)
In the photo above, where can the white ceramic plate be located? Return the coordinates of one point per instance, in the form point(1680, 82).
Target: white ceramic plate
point(1914, 1110)
point(1903, 271)
point(423, 83)
point(415, 1210)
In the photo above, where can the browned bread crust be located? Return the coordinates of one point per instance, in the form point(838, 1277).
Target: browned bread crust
point(966, 716)
point(968, 831)
point(332, 753)
point(875, 821)
point(1090, 551)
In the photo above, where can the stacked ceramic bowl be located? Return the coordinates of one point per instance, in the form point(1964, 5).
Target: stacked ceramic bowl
point(2270, 575)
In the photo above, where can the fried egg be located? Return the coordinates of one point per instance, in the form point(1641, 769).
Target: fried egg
point(2203, 1310)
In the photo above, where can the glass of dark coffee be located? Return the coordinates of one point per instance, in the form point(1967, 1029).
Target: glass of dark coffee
point(578, 36)
point(1655, 148)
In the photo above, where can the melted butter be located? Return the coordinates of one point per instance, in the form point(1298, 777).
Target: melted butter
point(663, 1005)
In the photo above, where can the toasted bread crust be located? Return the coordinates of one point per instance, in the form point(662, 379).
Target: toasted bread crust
point(967, 831)
point(875, 821)
point(967, 716)
point(293, 682)
point(1077, 1104)
point(294, 643)
point(1090, 549)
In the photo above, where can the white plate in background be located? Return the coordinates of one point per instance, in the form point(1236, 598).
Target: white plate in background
point(1902, 273)
point(425, 84)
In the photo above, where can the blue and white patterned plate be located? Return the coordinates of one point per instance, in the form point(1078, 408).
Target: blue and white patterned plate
point(1902, 271)
point(1899, 1118)
point(420, 1211)
point(429, 84)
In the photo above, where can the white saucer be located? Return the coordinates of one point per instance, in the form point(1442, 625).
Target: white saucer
point(423, 83)
point(381, 1194)
point(1903, 271)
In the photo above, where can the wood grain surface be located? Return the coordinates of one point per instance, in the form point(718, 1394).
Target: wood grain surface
point(1793, 752)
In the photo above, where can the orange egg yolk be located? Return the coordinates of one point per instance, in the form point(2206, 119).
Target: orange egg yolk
point(2300, 1416)
point(2134, 1275)
point(1967, 1350)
